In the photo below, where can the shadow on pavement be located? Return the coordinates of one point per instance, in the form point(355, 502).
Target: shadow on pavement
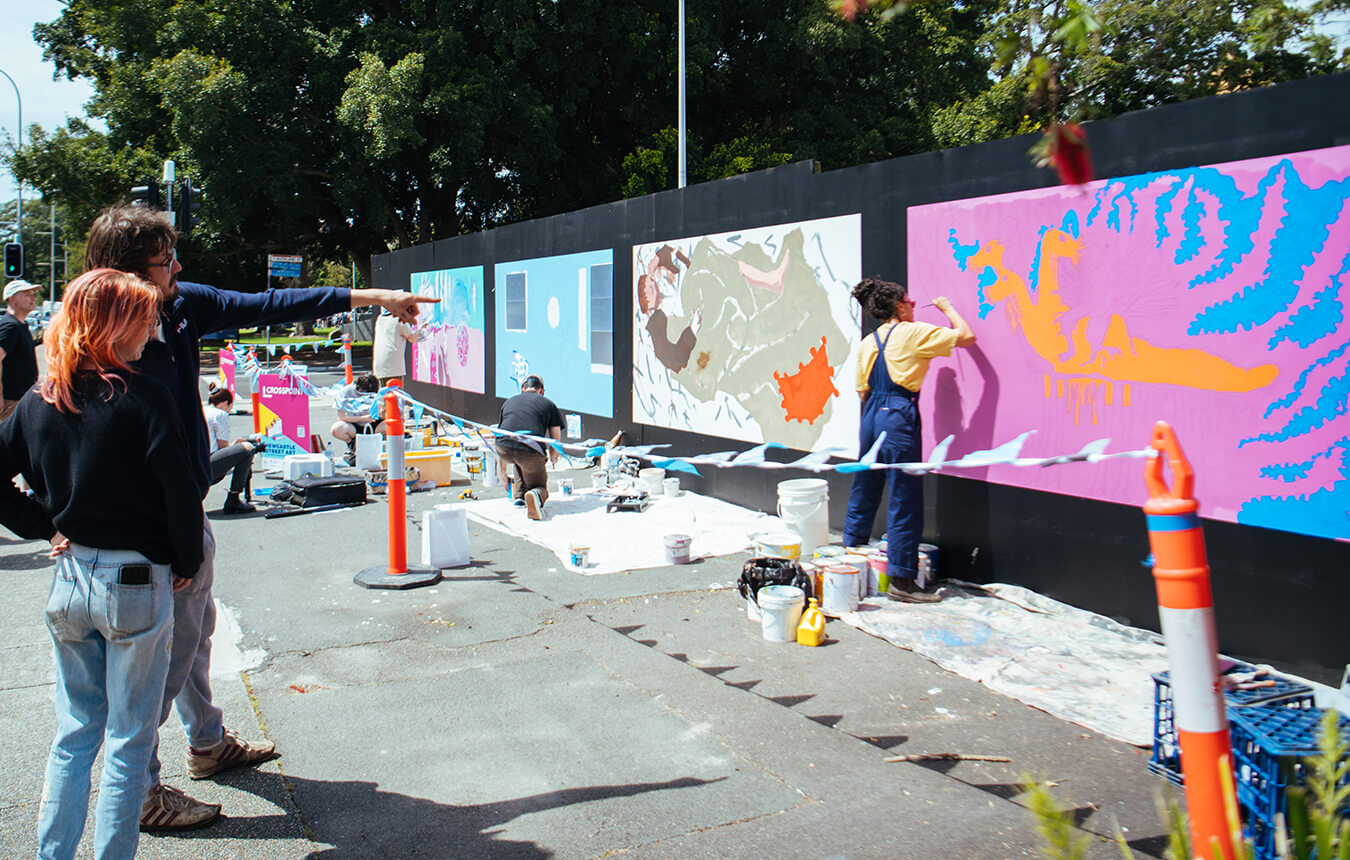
point(357, 819)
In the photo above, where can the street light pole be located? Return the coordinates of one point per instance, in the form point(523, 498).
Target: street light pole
point(20, 137)
point(681, 176)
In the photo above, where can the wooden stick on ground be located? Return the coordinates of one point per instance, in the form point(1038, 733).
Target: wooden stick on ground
point(946, 757)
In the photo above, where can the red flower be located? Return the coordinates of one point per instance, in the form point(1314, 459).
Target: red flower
point(1069, 153)
point(849, 8)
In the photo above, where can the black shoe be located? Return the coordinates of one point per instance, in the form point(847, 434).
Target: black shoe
point(234, 506)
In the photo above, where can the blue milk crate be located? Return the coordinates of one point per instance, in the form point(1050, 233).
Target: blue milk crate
point(1269, 748)
point(1166, 758)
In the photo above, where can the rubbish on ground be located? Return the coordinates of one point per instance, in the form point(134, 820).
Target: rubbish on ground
point(946, 757)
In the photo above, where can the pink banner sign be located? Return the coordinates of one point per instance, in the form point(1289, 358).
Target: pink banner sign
point(1210, 297)
point(283, 411)
point(227, 369)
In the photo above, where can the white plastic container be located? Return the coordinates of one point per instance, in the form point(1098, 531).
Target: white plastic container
point(804, 507)
point(445, 537)
point(492, 476)
point(650, 480)
point(295, 465)
point(671, 487)
point(780, 609)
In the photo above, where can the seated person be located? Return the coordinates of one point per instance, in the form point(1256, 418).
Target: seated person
point(227, 456)
point(349, 424)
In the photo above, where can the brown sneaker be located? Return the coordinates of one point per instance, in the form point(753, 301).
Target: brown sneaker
point(908, 591)
point(231, 751)
point(167, 808)
point(532, 506)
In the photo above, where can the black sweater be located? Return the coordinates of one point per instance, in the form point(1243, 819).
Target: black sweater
point(116, 475)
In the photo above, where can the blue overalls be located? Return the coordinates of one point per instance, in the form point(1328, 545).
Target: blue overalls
point(893, 409)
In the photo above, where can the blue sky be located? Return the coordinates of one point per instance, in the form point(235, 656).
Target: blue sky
point(45, 101)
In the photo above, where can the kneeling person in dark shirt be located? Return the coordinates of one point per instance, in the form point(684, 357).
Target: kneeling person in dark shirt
point(533, 413)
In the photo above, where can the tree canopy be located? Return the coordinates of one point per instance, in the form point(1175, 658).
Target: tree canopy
point(340, 128)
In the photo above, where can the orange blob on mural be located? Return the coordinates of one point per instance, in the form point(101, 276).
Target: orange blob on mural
point(806, 392)
point(1119, 355)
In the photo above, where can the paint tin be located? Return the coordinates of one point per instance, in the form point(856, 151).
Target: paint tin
point(677, 549)
point(565, 486)
point(579, 555)
point(778, 545)
point(650, 480)
point(928, 564)
point(878, 562)
point(839, 592)
point(473, 461)
point(671, 487)
point(599, 480)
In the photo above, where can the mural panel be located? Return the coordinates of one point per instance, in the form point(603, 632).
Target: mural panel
point(555, 318)
point(1210, 297)
point(451, 351)
point(750, 335)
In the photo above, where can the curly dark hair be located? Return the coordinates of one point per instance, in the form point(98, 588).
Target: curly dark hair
point(127, 237)
point(879, 297)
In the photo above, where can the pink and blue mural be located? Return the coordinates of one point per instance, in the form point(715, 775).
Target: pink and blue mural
point(452, 348)
point(1211, 297)
point(555, 319)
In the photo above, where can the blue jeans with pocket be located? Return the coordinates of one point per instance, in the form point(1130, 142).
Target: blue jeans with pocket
point(111, 626)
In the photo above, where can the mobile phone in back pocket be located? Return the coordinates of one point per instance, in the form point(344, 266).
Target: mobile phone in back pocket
point(134, 574)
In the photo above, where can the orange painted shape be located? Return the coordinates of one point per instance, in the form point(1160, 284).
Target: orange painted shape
point(1119, 355)
point(806, 392)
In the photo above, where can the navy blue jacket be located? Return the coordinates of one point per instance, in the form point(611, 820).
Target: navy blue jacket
point(200, 310)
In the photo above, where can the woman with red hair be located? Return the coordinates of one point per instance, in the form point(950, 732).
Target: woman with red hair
point(113, 491)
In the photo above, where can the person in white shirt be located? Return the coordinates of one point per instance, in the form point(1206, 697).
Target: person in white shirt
point(389, 349)
point(227, 456)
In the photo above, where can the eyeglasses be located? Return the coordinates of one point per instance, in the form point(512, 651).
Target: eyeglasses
point(168, 264)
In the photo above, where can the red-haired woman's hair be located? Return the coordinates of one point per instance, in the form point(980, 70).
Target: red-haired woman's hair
point(100, 311)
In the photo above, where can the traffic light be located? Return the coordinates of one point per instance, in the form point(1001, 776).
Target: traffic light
point(147, 195)
point(189, 201)
point(13, 260)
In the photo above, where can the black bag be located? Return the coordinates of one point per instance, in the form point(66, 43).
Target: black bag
point(759, 572)
point(312, 491)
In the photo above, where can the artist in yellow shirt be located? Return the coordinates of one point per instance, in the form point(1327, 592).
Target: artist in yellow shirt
point(890, 403)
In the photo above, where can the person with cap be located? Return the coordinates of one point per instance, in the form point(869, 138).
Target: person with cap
point(18, 354)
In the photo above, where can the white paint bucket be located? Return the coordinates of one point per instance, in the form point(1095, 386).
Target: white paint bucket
point(778, 545)
point(839, 590)
point(650, 480)
point(677, 549)
point(671, 487)
point(781, 611)
point(804, 506)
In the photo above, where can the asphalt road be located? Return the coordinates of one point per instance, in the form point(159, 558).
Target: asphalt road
point(519, 710)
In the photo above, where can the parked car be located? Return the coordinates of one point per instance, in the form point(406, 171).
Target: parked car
point(37, 324)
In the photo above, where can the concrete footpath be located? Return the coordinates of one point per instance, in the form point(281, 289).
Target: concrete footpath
point(520, 710)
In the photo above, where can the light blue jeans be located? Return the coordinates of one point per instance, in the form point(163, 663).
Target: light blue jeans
point(112, 655)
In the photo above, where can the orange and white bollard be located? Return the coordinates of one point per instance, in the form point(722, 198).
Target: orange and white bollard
point(1186, 609)
point(396, 574)
point(347, 357)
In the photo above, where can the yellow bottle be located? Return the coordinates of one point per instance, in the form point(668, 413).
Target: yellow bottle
point(811, 631)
